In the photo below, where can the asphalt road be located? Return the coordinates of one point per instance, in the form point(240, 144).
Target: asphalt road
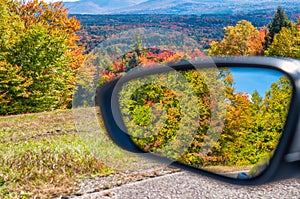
point(190, 186)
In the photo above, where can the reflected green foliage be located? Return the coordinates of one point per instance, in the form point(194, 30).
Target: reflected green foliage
point(255, 126)
point(154, 116)
point(207, 123)
point(157, 101)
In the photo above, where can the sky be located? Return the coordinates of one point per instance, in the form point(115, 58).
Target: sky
point(49, 1)
point(251, 79)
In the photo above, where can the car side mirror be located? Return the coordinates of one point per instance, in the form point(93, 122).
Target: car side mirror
point(233, 119)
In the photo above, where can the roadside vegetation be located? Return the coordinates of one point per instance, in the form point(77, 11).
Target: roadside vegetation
point(43, 155)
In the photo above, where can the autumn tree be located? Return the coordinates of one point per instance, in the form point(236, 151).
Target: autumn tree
point(12, 85)
point(38, 48)
point(241, 40)
point(56, 18)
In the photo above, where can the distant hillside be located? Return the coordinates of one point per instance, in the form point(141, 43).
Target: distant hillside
point(197, 7)
point(99, 6)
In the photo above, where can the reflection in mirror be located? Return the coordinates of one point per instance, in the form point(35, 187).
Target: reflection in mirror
point(227, 120)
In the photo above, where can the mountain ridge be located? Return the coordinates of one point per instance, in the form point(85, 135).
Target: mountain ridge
point(197, 7)
point(99, 6)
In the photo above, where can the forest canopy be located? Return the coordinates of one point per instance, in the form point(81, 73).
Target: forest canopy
point(279, 38)
point(42, 47)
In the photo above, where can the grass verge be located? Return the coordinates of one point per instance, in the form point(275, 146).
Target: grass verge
point(45, 155)
point(227, 169)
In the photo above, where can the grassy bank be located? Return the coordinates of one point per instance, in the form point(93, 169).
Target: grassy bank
point(47, 154)
point(227, 169)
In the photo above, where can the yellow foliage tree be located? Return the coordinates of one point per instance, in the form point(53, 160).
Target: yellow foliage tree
point(286, 43)
point(240, 40)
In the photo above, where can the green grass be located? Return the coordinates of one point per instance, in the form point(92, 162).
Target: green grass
point(47, 154)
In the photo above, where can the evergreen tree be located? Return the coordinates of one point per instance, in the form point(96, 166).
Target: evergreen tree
point(279, 21)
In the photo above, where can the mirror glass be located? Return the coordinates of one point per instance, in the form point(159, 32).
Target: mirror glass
point(226, 120)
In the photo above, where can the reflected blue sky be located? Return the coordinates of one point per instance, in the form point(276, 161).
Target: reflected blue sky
point(251, 79)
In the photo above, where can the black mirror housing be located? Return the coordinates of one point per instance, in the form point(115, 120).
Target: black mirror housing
point(285, 157)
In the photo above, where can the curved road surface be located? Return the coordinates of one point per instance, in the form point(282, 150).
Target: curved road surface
point(190, 186)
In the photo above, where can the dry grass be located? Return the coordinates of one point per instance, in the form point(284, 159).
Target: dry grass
point(227, 169)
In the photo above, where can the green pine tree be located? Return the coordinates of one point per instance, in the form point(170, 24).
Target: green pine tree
point(279, 21)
